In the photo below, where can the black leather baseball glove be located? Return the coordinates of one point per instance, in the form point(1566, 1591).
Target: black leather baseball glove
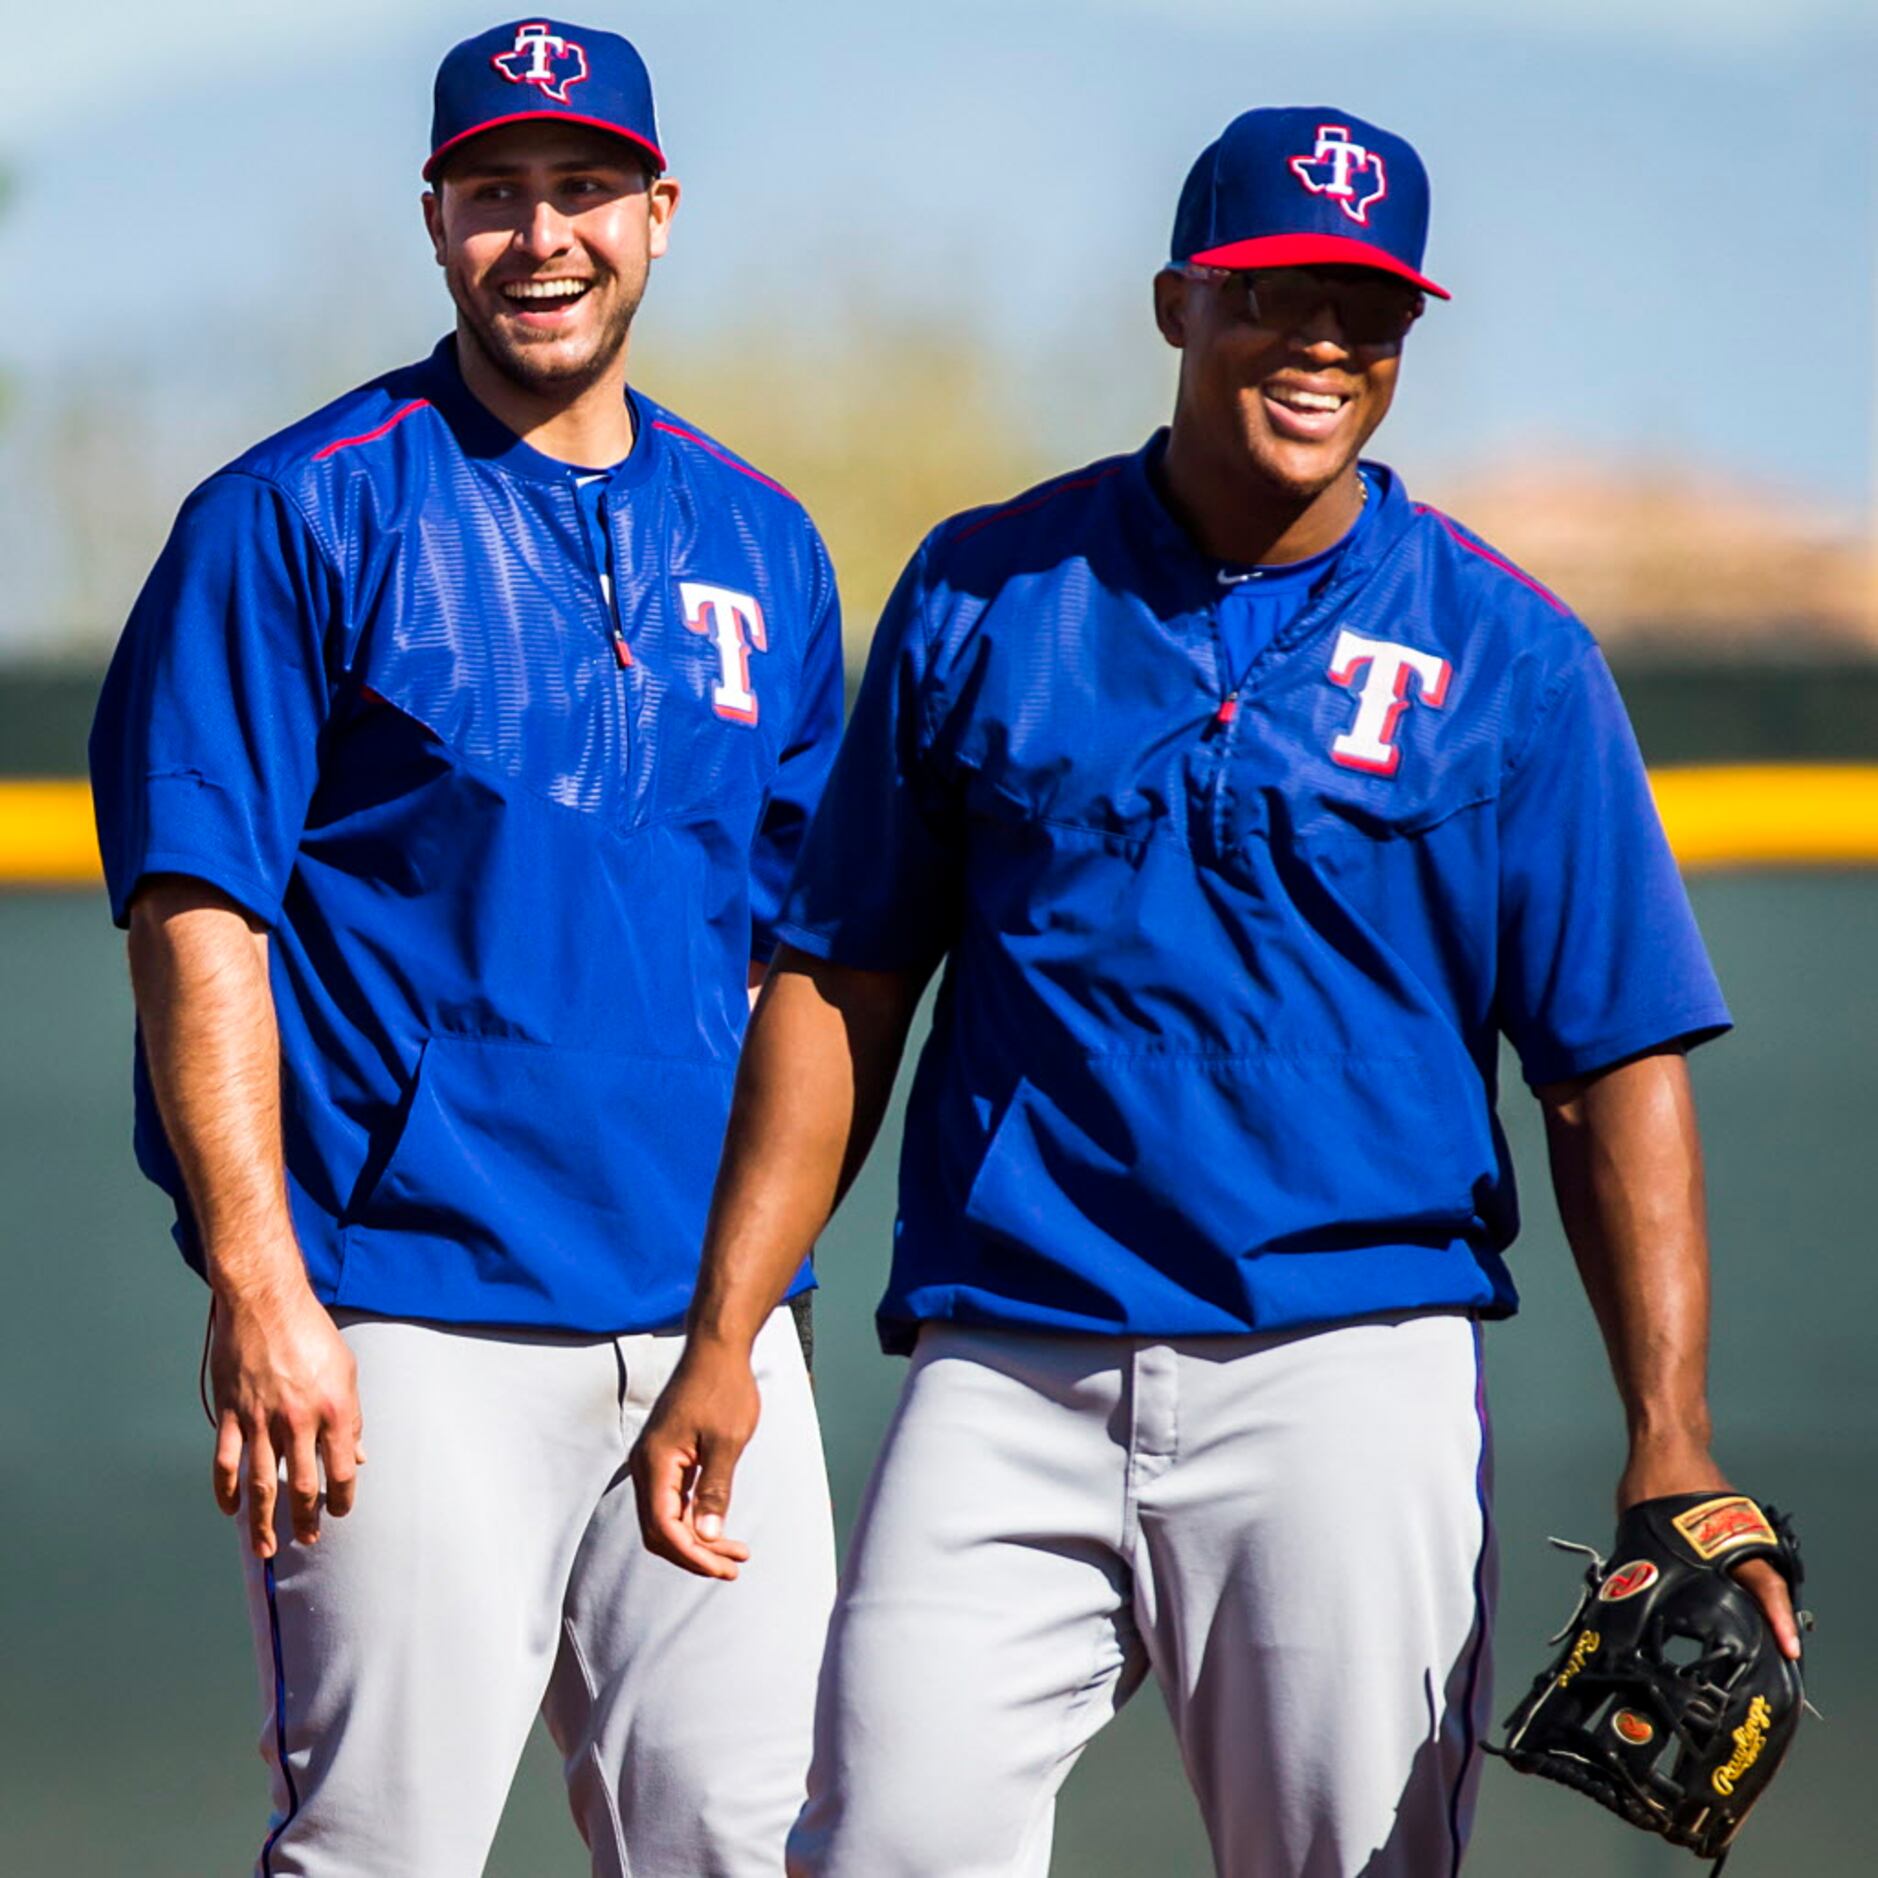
point(1669, 1700)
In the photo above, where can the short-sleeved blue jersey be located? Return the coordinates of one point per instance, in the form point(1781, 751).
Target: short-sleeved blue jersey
point(1229, 953)
point(516, 839)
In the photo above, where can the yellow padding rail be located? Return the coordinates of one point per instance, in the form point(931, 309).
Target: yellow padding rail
point(1719, 815)
point(1771, 814)
point(46, 834)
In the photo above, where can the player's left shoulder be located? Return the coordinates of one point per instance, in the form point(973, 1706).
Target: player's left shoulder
point(739, 495)
point(1452, 650)
point(739, 553)
point(1493, 610)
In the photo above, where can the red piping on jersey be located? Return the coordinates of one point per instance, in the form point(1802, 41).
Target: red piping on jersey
point(1487, 554)
point(390, 423)
point(723, 456)
point(1037, 501)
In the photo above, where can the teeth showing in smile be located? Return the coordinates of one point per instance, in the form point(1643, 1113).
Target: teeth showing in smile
point(550, 291)
point(1296, 400)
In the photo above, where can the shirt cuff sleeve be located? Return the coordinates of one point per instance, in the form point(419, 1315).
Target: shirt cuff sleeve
point(864, 953)
point(192, 826)
point(1561, 1062)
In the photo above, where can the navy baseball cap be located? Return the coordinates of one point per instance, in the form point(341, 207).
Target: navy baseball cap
point(1304, 186)
point(543, 69)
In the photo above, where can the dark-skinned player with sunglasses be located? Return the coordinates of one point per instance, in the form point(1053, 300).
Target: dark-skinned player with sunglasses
point(1245, 804)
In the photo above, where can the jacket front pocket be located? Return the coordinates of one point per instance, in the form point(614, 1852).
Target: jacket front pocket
point(531, 1160)
point(1193, 1163)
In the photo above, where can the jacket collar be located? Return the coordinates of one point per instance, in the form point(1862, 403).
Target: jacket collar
point(1170, 550)
point(481, 435)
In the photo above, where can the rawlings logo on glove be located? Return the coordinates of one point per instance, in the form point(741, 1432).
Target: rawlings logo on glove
point(1750, 1738)
point(1677, 1710)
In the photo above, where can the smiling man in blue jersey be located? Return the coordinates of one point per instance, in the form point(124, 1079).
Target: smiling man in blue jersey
point(449, 774)
point(1248, 804)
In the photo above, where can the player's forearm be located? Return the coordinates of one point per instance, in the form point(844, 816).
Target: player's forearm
point(206, 1014)
point(1627, 1169)
point(817, 1070)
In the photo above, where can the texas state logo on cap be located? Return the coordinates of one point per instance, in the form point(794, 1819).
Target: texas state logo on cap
point(540, 68)
point(1302, 186)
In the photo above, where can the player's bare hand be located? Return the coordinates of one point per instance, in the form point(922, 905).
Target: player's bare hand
point(285, 1390)
point(1656, 1471)
point(687, 1454)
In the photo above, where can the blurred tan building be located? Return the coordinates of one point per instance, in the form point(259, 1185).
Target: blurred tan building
point(1664, 560)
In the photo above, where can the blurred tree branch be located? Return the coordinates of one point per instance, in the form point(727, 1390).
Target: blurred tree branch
point(882, 429)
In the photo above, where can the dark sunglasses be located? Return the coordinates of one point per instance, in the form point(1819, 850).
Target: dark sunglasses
point(1371, 309)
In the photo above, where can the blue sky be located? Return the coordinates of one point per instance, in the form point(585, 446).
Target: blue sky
point(131, 46)
point(1657, 216)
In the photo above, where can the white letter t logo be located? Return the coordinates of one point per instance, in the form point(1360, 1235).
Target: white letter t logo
point(735, 621)
point(1383, 697)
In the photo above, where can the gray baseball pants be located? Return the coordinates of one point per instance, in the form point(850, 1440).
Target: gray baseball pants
point(492, 1568)
point(1291, 1532)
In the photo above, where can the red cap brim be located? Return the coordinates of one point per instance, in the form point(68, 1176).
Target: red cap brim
point(1314, 251)
point(553, 117)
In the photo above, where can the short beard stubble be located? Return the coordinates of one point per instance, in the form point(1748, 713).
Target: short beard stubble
point(531, 368)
